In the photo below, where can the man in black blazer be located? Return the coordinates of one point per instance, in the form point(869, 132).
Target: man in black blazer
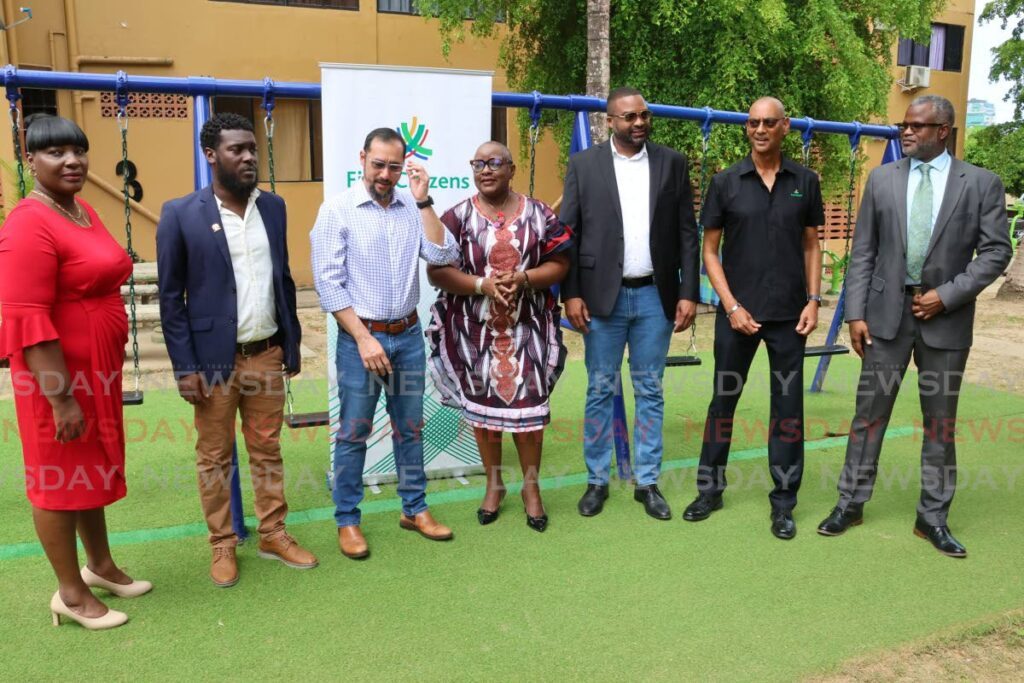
point(227, 306)
point(633, 281)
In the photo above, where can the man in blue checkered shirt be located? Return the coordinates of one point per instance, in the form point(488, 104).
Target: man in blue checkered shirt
point(366, 247)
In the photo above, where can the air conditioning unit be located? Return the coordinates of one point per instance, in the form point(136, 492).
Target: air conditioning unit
point(917, 77)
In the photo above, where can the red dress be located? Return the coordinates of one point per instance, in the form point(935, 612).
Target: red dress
point(59, 281)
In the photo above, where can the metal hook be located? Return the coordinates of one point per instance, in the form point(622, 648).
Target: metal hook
point(535, 110)
point(705, 127)
point(268, 96)
point(121, 98)
point(855, 137)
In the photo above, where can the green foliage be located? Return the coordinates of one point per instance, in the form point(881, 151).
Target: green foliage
point(1008, 58)
point(9, 181)
point(1000, 149)
point(827, 59)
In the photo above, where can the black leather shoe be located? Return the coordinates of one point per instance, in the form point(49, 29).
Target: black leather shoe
point(940, 538)
point(593, 500)
point(537, 523)
point(486, 516)
point(702, 507)
point(654, 503)
point(839, 520)
point(783, 525)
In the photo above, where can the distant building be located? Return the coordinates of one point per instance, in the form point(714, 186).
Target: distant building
point(980, 113)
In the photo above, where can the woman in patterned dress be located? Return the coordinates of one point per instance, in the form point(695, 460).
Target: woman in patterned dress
point(64, 330)
point(496, 343)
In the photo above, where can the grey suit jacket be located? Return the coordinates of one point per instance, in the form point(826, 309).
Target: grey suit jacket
point(969, 249)
point(591, 208)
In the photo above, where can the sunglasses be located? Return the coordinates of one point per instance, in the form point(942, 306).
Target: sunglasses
point(494, 163)
point(381, 165)
point(631, 116)
point(916, 126)
point(754, 124)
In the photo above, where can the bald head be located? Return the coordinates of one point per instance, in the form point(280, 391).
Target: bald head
point(493, 148)
point(768, 106)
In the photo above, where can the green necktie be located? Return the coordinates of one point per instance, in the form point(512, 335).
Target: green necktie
point(919, 227)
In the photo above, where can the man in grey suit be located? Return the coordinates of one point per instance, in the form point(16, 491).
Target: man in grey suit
point(633, 280)
point(931, 235)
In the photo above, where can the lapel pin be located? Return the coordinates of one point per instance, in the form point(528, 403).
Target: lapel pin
point(215, 227)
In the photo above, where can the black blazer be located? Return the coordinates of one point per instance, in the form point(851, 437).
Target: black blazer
point(198, 304)
point(590, 206)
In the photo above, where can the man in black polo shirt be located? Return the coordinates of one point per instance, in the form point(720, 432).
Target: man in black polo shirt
point(768, 277)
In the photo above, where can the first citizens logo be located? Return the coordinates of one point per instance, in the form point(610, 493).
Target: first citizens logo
point(415, 136)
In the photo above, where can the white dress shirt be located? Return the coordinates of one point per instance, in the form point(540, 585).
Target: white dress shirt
point(249, 248)
point(366, 256)
point(633, 178)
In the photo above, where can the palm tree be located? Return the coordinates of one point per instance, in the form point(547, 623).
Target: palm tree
point(598, 69)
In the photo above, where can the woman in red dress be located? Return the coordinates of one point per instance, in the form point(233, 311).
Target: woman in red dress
point(64, 330)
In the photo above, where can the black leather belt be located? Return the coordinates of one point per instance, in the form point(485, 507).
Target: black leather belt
point(913, 290)
point(634, 282)
point(391, 326)
point(249, 349)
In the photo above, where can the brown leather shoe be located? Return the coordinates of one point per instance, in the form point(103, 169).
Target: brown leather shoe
point(224, 568)
point(426, 525)
point(286, 549)
point(352, 543)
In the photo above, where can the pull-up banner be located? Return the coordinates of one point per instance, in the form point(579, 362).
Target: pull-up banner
point(443, 115)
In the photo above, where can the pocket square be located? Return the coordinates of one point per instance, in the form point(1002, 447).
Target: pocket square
point(215, 227)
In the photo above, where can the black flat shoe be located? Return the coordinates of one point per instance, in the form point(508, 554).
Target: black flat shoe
point(783, 526)
point(839, 520)
point(702, 507)
point(941, 538)
point(654, 503)
point(593, 500)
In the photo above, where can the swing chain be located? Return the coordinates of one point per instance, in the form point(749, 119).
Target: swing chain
point(534, 135)
point(268, 127)
point(122, 124)
point(15, 115)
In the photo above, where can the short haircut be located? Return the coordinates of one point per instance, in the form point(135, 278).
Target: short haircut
point(384, 135)
point(505, 152)
point(209, 137)
point(619, 93)
point(943, 108)
point(44, 130)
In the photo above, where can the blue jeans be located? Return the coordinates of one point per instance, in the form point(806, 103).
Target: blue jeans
point(358, 391)
point(638, 320)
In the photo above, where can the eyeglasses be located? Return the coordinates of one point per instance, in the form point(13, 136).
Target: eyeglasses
point(381, 165)
point(917, 126)
point(494, 163)
point(631, 116)
point(754, 124)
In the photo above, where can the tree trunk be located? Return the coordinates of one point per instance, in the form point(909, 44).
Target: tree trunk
point(598, 68)
point(1013, 288)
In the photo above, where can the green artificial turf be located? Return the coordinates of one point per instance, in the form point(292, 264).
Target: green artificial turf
point(618, 596)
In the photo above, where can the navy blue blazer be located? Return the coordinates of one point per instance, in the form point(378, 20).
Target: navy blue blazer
point(198, 304)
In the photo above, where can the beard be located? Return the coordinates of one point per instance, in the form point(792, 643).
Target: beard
point(235, 185)
point(382, 197)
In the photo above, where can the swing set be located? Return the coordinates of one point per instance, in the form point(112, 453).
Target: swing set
point(202, 89)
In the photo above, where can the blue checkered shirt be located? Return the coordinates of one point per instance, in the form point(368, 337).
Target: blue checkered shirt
point(365, 256)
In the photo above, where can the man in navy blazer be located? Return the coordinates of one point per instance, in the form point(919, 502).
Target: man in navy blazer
point(227, 306)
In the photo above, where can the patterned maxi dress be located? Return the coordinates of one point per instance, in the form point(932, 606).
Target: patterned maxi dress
point(499, 364)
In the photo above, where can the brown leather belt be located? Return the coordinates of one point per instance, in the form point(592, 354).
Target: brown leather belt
point(249, 349)
point(637, 282)
point(391, 326)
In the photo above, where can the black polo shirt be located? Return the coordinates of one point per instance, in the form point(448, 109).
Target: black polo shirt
point(762, 239)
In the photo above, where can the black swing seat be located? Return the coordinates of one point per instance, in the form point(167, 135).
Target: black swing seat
point(827, 350)
point(132, 398)
point(303, 420)
point(675, 361)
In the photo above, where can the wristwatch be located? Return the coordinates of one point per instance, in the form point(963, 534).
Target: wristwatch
point(814, 297)
point(429, 201)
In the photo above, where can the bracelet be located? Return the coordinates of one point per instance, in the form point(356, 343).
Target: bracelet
point(478, 286)
point(814, 297)
point(736, 307)
point(526, 280)
point(426, 203)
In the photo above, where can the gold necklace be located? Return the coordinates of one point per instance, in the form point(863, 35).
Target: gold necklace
point(486, 205)
point(77, 220)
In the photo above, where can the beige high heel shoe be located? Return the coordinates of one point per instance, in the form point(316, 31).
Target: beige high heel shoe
point(121, 590)
point(112, 619)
